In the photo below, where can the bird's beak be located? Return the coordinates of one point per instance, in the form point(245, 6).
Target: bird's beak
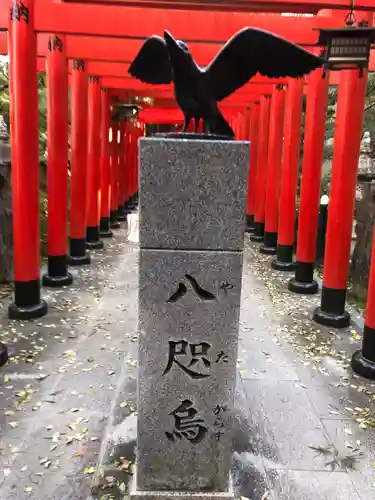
point(170, 41)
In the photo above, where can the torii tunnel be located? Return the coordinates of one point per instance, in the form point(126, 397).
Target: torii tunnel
point(88, 46)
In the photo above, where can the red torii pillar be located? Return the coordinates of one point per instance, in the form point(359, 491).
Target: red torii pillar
point(93, 240)
point(262, 161)
point(127, 166)
point(105, 231)
point(120, 173)
point(348, 131)
point(57, 163)
point(115, 224)
point(130, 154)
point(275, 150)
point(242, 126)
point(133, 173)
point(234, 126)
point(363, 361)
point(78, 165)
point(317, 98)
point(239, 126)
point(124, 132)
point(251, 193)
point(289, 176)
point(27, 303)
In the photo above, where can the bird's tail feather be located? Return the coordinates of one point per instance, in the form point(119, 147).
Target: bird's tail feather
point(218, 125)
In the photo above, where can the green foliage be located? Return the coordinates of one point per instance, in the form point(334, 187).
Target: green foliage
point(4, 111)
point(4, 93)
point(42, 100)
point(368, 119)
point(325, 184)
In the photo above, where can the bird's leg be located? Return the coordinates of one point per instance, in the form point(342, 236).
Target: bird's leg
point(196, 124)
point(186, 123)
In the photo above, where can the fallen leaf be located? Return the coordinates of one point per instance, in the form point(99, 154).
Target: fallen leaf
point(55, 437)
point(89, 470)
point(322, 450)
point(125, 464)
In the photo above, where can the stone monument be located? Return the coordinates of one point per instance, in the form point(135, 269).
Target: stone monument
point(364, 221)
point(191, 229)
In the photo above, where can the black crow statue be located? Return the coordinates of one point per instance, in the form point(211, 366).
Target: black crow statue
point(198, 90)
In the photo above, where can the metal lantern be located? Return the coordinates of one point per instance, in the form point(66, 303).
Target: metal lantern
point(347, 48)
point(121, 111)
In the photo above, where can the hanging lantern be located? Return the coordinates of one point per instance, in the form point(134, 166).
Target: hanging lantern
point(121, 111)
point(347, 48)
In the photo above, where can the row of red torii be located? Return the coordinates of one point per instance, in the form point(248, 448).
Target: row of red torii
point(273, 125)
point(104, 168)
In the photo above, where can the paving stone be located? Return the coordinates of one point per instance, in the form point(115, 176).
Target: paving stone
point(287, 424)
point(347, 436)
point(274, 423)
point(330, 395)
point(259, 360)
point(311, 485)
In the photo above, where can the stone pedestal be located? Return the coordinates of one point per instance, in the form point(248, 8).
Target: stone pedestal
point(192, 222)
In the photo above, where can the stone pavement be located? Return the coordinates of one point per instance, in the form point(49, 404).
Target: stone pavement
point(304, 425)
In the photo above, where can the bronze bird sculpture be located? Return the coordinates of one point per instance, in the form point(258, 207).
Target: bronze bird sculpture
point(198, 90)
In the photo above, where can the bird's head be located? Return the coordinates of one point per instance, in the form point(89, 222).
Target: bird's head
point(178, 51)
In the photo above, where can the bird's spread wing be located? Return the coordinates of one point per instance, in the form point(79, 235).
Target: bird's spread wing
point(151, 64)
point(253, 51)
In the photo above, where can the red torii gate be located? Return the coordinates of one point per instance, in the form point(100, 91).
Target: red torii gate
point(125, 27)
point(297, 6)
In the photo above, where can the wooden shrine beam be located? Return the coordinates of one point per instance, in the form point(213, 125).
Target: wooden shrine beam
point(170, 103)
point(161, 115)
point(144, 89)
point(120, 70)
point(113, 49)
point(297, 6)
point(135, 85)
point(116, 52)
point(140, 23)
